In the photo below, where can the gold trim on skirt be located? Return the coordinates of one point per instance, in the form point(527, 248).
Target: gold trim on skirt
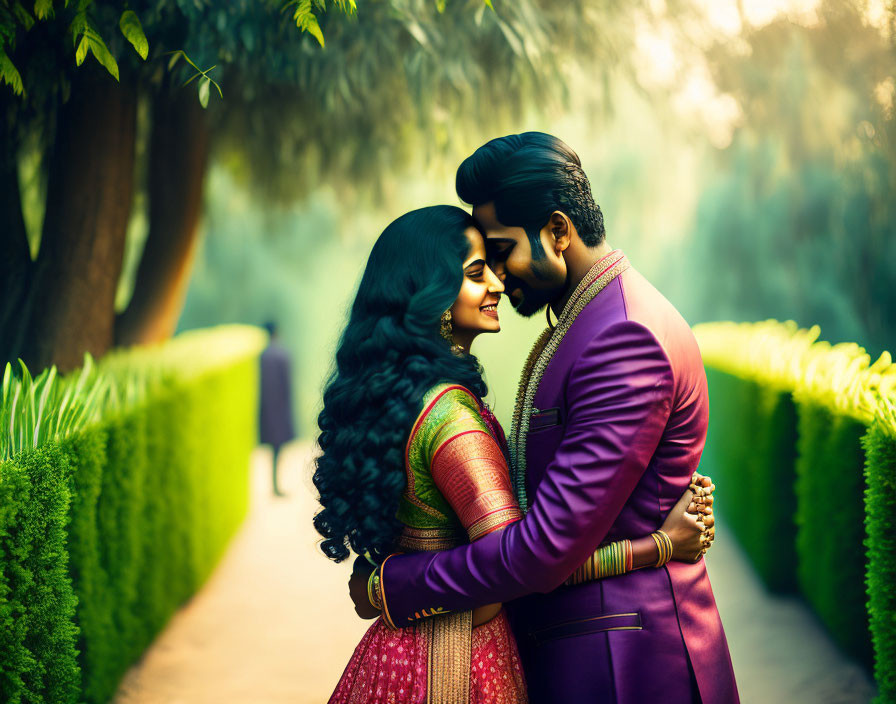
point(450, 638)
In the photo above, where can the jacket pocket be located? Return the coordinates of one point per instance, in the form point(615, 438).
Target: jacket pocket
point(586, 626)
point(542, 420)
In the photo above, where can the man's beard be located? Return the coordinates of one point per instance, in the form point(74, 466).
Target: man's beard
point(534, 299)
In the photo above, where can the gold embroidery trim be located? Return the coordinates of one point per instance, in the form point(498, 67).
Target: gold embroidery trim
point(499, 518)
point(449, 658)
point(438, 540)
point(542, 352)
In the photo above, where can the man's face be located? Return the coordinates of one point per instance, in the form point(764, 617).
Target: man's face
point(533, 276)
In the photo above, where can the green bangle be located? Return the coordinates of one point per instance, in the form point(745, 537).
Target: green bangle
point(373, 590)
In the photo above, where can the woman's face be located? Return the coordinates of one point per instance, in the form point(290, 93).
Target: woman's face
point(476, 308)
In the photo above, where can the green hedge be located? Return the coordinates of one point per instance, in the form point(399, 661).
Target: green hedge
point(751, 448)
point(880, 522)
point(831, 524)
point(814, 425)
point(121, 511)
point(37, 607)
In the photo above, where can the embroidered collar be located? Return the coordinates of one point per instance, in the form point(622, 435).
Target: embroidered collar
point(597, 278)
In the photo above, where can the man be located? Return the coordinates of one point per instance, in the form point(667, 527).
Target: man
point(610, 423)
point(275, 409)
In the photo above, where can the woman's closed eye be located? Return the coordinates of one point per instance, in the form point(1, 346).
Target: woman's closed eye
point(475, 270)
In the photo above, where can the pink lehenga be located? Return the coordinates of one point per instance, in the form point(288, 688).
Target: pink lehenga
point(458, 489)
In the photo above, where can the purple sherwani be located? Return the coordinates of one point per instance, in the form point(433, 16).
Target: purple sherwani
point(629, 385)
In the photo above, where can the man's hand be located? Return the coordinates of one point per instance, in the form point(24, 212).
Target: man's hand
point(690, 523)
point(357, 588)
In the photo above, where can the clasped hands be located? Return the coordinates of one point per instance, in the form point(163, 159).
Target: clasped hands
point(691, 523)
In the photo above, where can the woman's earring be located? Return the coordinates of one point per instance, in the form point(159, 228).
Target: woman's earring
point(445, 327)
point(445, 331)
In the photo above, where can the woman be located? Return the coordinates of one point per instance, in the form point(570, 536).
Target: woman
point(412, 459)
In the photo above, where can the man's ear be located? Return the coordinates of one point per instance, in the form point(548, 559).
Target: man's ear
point(561, 230)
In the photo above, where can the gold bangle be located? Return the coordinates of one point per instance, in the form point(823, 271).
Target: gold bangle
point(666, 542)
point(381, 593)
point(659, 549)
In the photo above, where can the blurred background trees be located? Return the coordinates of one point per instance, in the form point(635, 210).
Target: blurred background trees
point(800, 212)
point(742, 153)
point(295, 114)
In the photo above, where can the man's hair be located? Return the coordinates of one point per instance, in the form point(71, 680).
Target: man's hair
point(529, 176)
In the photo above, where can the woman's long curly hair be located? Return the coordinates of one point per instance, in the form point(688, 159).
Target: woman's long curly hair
point(391, 352)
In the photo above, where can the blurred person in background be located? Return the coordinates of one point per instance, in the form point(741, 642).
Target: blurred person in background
point(275, 423)
point(412, 459)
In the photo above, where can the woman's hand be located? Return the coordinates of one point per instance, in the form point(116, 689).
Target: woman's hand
point(690, 524)
point(357, 589)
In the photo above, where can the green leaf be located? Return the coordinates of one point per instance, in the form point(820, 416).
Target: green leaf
point(306, 20)
point(26, 20)
point(204, 85)
point(48, 390)
point(133, 32)
point(79, 25)
point(175, 56)
point(26, 375)
point(13, 417)
point(101, 52)
point(43, 9)
point(81, 53)
point(7, 380)
point(9, 74)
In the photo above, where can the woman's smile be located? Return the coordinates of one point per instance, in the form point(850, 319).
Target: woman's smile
point(490, 309)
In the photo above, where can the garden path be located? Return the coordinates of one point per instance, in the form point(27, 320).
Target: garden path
point(274, 623)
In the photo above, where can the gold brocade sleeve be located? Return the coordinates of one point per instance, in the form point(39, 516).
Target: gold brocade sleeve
point(470, 470)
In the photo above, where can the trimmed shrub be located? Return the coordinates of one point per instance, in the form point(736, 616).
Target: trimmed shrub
point(38, 660)
point(880, 523)
point(831, 524)
point(732, 421)
point(120, 488)
point(846, 447)
point(120, 511)
point(751, 448)
point(87, 456)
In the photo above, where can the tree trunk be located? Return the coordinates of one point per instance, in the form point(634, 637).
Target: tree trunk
point(15, 262)
point(178, 159)
point(89, 194)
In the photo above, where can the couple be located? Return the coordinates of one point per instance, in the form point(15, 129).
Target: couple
point(610, 421)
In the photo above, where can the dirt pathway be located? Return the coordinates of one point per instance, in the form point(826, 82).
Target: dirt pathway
point(780, 650)
point(273, 624)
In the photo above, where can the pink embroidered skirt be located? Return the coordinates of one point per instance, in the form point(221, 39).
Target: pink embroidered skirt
point(389, 667)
